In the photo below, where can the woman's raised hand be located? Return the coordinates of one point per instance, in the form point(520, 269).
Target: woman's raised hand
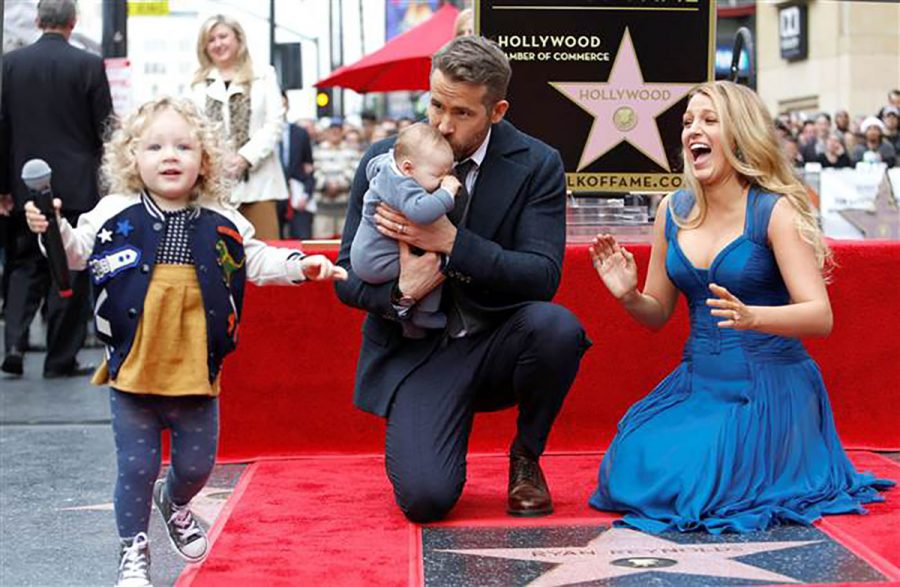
point(615, 266)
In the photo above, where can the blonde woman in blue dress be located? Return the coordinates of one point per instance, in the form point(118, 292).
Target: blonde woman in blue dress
point(740, 436)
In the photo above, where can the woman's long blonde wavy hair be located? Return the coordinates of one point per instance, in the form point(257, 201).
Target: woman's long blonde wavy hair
point(119, 171)
point(756, 156)
point(244, 72)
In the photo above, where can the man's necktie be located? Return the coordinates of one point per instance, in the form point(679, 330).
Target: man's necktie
point(458, 322)
point(458, 213)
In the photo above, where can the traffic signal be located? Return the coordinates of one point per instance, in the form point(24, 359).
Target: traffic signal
point(115, 29)
point(324, 103)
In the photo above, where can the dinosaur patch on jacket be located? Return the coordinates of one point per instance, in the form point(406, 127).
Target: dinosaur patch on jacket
point(109, 264)
point(226, 261)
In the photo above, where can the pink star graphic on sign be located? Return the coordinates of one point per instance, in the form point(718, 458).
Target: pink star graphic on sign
point(624, 108)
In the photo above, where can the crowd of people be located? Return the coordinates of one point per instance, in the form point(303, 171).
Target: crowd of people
point(840, 140)
point(337, 147)
point(452, 242)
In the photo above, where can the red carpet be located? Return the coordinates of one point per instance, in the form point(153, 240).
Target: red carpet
point(878, 532)
point(288, 388)
point(328, 518)
point(332, 521)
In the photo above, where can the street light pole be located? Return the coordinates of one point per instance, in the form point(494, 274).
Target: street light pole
point(272, 32)
point(336, 27)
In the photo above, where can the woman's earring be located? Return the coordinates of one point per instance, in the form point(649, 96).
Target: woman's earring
point(739, 154)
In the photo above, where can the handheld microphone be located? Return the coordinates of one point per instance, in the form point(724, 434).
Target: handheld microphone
point(36, 175)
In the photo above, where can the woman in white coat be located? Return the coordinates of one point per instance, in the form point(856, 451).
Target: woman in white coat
point(248, 104)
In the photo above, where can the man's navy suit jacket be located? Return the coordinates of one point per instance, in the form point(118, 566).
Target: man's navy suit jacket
point(509, 253)
point(56, 107)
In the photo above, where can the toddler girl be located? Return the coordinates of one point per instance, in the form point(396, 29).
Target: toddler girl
point(168, 260)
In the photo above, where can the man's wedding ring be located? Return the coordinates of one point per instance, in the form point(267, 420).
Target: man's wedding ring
point(401, 228)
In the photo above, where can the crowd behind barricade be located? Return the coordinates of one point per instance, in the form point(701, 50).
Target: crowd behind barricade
point(336, 148)
point(840, 140)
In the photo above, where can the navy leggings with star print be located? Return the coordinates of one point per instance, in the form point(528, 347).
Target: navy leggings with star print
point(138, 422)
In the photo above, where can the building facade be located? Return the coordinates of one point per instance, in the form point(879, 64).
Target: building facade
point(826, 55)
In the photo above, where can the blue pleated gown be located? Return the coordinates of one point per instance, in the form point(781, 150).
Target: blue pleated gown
point(740, 437)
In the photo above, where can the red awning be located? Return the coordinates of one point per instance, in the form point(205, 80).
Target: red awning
point(404, 63)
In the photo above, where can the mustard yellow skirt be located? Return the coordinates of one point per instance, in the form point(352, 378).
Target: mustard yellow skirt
point(169, 352)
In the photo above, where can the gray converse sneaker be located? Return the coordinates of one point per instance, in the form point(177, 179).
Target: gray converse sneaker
point(187, 537)
point(134, 563)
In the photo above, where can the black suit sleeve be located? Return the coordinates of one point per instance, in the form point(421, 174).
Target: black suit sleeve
point(530, 267)
point(306, 155)
point(5, 138)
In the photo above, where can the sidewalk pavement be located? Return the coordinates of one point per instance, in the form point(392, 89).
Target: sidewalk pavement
point(57, 473)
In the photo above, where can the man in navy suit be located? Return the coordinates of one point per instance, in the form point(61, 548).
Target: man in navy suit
point(56, 105)
point(499, 255)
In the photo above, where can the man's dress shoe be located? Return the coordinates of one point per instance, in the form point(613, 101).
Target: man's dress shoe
point(528, 494)
point(77, 370)
point(13, 363)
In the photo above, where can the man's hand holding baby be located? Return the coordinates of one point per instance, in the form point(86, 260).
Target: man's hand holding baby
point(437, 237)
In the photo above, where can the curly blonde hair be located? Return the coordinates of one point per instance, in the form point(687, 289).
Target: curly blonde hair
point(757, 158)
point(244, 72)
point(119, 171)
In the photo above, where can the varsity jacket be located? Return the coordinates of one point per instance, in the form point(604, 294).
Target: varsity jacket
point(118, 242)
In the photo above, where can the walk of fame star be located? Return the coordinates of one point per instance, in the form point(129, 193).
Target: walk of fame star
point(619, 552)
point(624, 108)
point(206, 505)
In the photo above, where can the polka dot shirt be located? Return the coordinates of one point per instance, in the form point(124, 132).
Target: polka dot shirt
point(175, 248)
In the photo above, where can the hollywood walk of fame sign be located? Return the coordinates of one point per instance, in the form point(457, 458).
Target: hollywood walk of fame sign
point(605, 82)
point(590, 555)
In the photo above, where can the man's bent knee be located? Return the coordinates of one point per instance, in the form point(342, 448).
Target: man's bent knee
point(556, 327)
point(428, 502)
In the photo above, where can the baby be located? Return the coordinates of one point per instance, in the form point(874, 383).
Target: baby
point(414, 178)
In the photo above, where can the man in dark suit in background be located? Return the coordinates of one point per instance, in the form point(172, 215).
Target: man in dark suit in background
point(499, 255)
point(56, 104)
point(297, 160)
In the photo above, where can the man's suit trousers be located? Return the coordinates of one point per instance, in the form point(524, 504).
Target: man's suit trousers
point(530, 360)
point(29, 283)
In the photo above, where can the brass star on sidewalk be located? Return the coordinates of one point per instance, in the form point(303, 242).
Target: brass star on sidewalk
point(620, 552)
point(883, 221)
